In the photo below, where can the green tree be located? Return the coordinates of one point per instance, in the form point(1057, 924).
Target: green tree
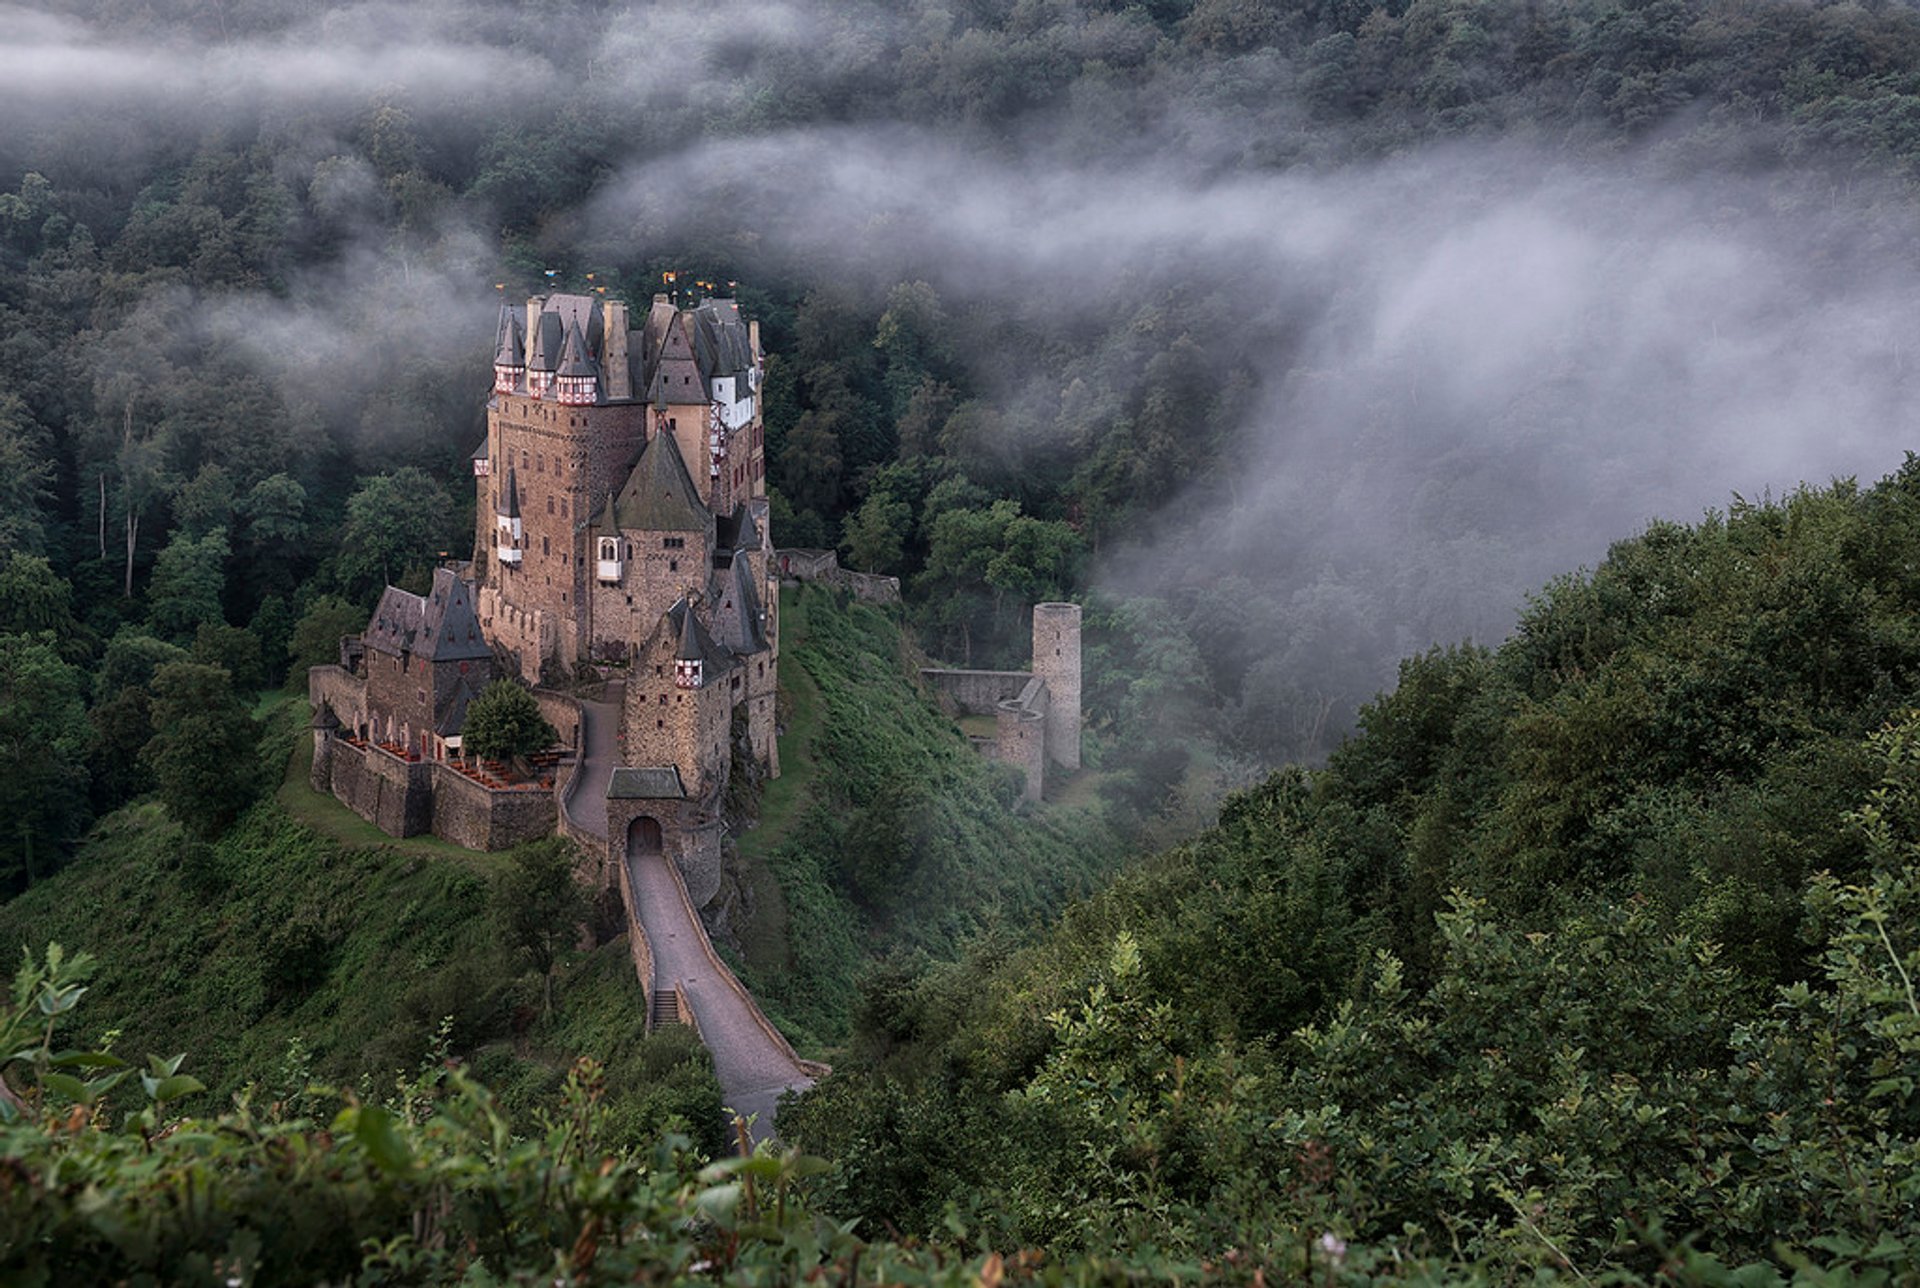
point(43, 744)
point(26, 478)
point(33, 599)
point(877, 532)
point(189, 579)
point(505, 721)
point(394, 522)
point(539, 906)
point(232, 648)
point(317, 635)
point(205, 749)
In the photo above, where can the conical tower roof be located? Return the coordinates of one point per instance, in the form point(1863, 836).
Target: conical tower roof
point(509, 507)
point(574, 361)
point(508, 351)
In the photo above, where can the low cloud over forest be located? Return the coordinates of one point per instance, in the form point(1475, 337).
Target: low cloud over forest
point(1326, 337)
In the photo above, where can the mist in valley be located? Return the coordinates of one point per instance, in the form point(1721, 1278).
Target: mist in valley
point(1374, 388)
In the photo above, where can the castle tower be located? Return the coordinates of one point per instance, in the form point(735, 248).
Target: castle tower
point(1056, 659)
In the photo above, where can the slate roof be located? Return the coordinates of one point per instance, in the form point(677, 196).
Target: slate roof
point(721, 343)
point(543, 346)
point(632, 783)
point(695, 643)
point(738, 619)
point(508, 506)
point(736, 531)
point(453, 717)
point(660, 495)
point(508, 351)
point(441, 627)
point(573, 357)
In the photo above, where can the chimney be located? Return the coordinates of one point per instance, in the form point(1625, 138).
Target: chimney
point(619, 380)
point(534, 304)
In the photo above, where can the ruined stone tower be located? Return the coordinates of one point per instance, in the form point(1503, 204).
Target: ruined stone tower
point(1056, 659)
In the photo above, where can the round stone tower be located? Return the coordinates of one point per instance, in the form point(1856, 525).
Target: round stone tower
point(1056, 659)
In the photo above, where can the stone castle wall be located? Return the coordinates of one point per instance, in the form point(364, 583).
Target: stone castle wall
point(340, 690)
point(1020, 735)
point(394, 795)
point(975, 693)
point(823, 566)
point(469, 815)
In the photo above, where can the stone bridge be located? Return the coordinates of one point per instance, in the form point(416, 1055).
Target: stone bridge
point(671, 951)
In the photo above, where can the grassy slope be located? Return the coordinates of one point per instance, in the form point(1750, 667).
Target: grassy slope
point(304, 923)
point(307, 923)
point(886, 832)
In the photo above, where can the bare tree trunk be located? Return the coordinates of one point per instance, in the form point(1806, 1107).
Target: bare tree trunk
point(133, 539)
point(103, 516)
point(126, 480)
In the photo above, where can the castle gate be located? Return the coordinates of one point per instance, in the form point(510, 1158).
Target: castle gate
point(643, 837)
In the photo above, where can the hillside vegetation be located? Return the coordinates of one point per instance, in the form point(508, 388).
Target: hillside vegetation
point(904, 843)
point(279, 953)
point(1580, 948)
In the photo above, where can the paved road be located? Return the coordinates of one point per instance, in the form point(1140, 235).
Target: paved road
point(752, 1068)
point(600, 733)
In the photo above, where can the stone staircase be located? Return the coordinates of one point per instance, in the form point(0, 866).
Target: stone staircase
point(665, 1009)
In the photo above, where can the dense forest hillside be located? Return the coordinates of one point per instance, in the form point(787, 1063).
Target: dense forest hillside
point(1292, 340)
point(1299, 343)
point(1579, 949)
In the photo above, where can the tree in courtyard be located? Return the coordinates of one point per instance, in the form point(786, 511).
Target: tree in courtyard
point(505, 721)
point(204, 752)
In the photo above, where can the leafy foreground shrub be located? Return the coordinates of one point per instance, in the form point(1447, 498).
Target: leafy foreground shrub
point(433, 1187)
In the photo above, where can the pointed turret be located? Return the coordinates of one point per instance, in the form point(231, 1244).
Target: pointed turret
point(577, 379)
point(689, 659)
point(607, 543)
point(507, 520)
point(509, 354)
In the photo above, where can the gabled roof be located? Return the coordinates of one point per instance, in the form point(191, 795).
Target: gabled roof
point(632, 783)
point(676, 373)
point(441, 627)
point(721, 343)
point(660, 495)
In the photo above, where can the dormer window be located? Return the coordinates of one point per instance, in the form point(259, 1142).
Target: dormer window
point(609, 561)
point(686, 673)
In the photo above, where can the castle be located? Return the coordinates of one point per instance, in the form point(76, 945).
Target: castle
point(621, 530)
point(621, 519)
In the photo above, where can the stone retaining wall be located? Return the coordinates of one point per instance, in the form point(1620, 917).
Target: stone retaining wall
point(975, 693)
point(468, 814)
point(394, 795)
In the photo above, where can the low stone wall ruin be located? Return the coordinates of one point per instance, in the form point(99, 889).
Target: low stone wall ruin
point(823, 566)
